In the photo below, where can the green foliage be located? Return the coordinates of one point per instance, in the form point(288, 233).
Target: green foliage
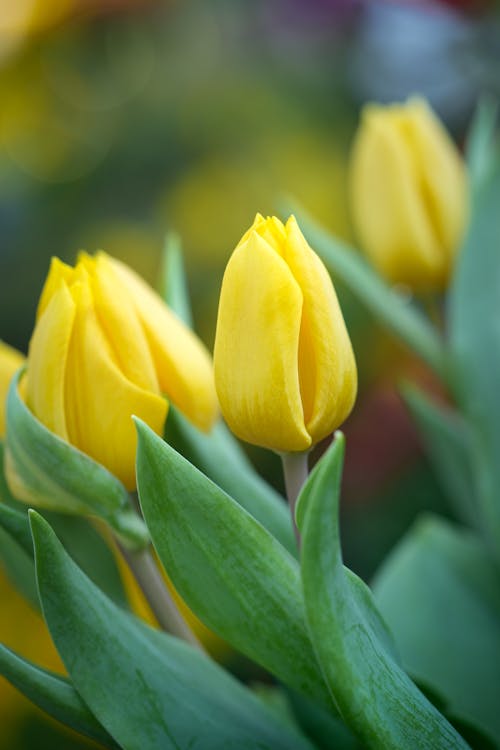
point(86, 545)
point(374, 695)
point(475, 347)
point(54, 475)
point(439, 592)
point(233, 574)
point(147, 689)
point(220, 457)
point(448, 442)
point(53, 694)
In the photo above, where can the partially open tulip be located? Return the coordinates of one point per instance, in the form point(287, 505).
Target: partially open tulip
point(284, 367)
point(10, 361)
point(408, 194)
point(106, 347)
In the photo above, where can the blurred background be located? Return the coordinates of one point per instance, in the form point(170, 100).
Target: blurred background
point(123, 119)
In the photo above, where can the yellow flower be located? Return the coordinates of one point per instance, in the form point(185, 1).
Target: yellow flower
point(105, 346)
point(10, 361)
point(408, 194)
point(284, 368)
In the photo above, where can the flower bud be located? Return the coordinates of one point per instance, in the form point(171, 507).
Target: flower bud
point(408, 194)
point(284, 368)
point(106, 347)
point(10, 361)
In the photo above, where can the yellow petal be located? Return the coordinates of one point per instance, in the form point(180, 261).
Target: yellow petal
point(47, 357)
point(58, 272)
point(100, 400)
point(327, 369)
point(389, 209)
point(256, 349)
point(183, 365)
point(443, 174)
point(118, 319)
point(10, 361)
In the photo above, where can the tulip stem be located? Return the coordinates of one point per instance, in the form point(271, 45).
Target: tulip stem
point(295, 471)
point(158, 596)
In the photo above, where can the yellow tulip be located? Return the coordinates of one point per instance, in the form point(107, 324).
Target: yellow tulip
point(10, 361)
point(408, 194)
point(284, 368)
point(105, 347)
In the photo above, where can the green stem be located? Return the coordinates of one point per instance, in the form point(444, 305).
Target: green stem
point(158, 596)
point(295, 471)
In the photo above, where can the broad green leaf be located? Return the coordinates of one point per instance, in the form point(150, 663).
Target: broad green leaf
point(391, 308)
point(18, 567)
point(49, 473)
point(53, 694)
point(480, 147)
point(219, 456)
point(474, 329)
point(375, 696)
point(447, 440)
point(148, 689)
point(439, 592)
point(233, 574)
point(16, 524)
point(173, 282)
point(85, 544)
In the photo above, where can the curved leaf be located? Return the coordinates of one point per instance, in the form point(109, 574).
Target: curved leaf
point(440, 568)
point(447, 440)
point(375, 696)
point(53, 694)
point(232, 573)
point(86, 545)
point(47, 472)
point(474, 328)
point(173, 282)
point(148, 689)
point(219, 457)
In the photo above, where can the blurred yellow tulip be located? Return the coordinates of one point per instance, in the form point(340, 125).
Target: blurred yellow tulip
point(105, 346)
point(10, 361)
point(408, 194)
point(284, 368)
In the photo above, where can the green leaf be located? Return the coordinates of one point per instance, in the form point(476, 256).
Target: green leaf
point(375, 696)
point(16, 524)
point(233, 574)
point(53, 694)
point(50, 473)
point(325, 730)
point(480, 147)
point(439, 593)
point(18, 567)
point(474, 328)
point(391, 308)
point(173, 282)
point(85, 544)
point(448, 443)
point(148, 689)
point(219, 456)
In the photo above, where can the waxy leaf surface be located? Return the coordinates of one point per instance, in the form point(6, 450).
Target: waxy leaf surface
point(232, 573)
point(148, 689)
point(375, 696)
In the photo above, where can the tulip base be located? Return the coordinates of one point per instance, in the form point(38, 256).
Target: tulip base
point(295, 472)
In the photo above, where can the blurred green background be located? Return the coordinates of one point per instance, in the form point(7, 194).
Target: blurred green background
point(122, 119)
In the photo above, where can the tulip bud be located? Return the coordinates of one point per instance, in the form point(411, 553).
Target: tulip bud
point(284, 368)
point(106, 347)
point(408, 194)
point(10, 361)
